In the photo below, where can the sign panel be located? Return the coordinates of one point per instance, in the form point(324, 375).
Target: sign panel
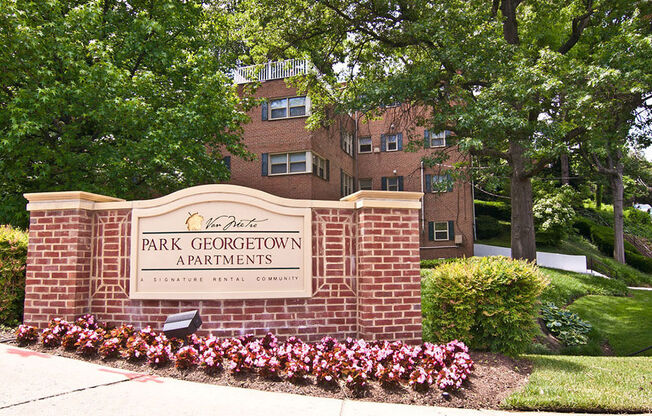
point(221, 247)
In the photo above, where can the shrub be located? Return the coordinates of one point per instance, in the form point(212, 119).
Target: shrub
point(499, 210)
point(639, 262)
point(583, 227)
point(488, 302)
point(566, 326)
point(432, 263)
point(13, 257)
point(554, 214)
point(26, 334)
point(487, 227)
point(635, 216)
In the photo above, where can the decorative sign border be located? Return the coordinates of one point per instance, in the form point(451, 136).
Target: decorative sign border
point(193, 196)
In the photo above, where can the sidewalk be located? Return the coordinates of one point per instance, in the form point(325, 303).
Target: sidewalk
point(32, 383)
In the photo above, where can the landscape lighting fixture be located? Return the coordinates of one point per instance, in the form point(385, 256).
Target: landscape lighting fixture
point(182, 324)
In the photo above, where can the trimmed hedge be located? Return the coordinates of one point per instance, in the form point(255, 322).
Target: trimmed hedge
point(487, 227)
point(432, 263)
point(499, 210)
point(13, 256)
point(490, 303)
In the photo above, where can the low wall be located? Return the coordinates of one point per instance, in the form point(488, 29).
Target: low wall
point(544, 259)
point(364, 253)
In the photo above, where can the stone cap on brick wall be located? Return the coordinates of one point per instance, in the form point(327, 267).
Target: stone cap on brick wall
point(66, 200)
point(385, 199)
point(90, 201)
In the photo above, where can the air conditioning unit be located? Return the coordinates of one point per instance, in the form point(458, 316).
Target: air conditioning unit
point(376, 149)
point(459, 239)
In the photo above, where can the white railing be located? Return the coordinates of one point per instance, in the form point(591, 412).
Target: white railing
point(271, 70)
point(552, 260)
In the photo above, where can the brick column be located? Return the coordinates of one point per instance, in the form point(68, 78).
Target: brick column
point(389, 281)
point(59, 256)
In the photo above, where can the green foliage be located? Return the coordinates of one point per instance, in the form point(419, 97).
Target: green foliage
point(489, 303)
point(13, 257)
point(498, 210)
point(554, 214)
point(639, 262)
point(583, 227)
point(131, 99)
point(487, 227)
point(566, 286)
point(629, 275)
point(432, 263)
point(564, 325)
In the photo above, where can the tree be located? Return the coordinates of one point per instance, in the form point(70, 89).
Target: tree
point(503, 75)
point(129, 98)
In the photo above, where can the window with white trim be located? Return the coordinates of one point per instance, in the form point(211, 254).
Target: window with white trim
point(392, 184)
point(319, 166)
point(364, 145)
point(392, 142)
point(440, 231)
point(347, 184)
point(438, 139)
point(347, 142)
point(285, 163)
point(364, 184)
point(288, 107)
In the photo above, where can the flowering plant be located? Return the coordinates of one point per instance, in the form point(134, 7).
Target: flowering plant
point(26, 334)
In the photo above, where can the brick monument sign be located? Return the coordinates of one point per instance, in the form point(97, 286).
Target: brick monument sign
point(250, 262)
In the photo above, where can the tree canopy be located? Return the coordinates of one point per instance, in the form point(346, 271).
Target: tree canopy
point(126, 98)
point(519, 82)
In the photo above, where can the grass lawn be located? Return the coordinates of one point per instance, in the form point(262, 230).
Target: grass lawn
point(586, 384)
point(626, 323)
point(566, 286)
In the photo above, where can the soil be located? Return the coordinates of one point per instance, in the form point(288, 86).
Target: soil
point(494, 377)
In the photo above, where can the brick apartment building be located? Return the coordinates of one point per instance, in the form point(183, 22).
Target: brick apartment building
point(353, 153)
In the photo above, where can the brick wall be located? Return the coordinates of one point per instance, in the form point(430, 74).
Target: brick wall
point(365, 277)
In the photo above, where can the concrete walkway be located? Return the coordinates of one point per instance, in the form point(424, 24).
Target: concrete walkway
point(33, 383)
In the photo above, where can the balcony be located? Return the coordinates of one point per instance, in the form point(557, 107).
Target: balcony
point(272, 70)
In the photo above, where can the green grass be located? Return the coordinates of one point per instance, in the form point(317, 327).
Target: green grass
point(566, 286)
point(626, 323)
point(586, 384)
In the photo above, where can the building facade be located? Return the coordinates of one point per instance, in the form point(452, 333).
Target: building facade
point(354, 152)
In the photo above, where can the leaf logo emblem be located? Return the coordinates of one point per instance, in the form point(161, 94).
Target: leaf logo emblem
point(194, 221)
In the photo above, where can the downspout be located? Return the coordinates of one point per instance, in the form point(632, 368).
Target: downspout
point(423, 203)
point(475, 234)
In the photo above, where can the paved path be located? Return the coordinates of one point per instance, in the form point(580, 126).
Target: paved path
point(33, 383)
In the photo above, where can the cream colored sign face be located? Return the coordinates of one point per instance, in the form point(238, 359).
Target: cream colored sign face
point(227, 247)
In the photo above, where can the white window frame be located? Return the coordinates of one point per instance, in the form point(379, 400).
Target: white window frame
point(393, 139)
point(347, 143)
point(288, 163)
point(289, 107)
point(438, 136)
point(390, 186)
point(437, 179)
point(318, 163)
point(435, 231)
point(347, 184)
point(371, 144)
point(360, 184)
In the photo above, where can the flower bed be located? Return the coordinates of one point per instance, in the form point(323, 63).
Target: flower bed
point(352, 363)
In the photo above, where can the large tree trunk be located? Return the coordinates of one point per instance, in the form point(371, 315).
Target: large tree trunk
point(523, 238)
point(617, 189)
point(565, 171)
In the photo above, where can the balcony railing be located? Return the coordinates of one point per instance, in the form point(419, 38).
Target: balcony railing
point(271, 70)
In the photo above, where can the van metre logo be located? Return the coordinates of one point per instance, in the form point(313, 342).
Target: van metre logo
point(194, 221)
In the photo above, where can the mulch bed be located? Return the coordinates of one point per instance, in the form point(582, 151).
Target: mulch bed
point(494, 377)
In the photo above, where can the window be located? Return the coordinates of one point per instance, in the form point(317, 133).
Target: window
point(440, 231)
point(319, 166)
point(392, 184)
point(347, 183)
point(438, 139)
point(392, 142)
point(288, 107)
point(288, 163)
point(439, 183)
point(364, 145)
point(347, 143)
point(364, 184)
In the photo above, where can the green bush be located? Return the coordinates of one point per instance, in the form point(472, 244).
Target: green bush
point(487, 302)
point(432, 263)
point(635, 216)
point(583, 227)
point(639, 262)
point(487, 227)
point(566, 326)
point(13, 256)
point(499, 210)
point(622, 272)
